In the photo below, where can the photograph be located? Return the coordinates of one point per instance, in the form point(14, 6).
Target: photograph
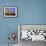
point(10, 11)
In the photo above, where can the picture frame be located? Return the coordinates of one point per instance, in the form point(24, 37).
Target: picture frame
point(10, 11)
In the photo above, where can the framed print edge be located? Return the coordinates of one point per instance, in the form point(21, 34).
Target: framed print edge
point(10, 15)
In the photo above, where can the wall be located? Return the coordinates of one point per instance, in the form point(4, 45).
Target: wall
point(7, 25)
point(29, 12)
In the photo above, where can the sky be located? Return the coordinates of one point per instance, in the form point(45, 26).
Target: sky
point(11, 9)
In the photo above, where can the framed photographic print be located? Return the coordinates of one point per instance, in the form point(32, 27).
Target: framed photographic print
point(10, 11)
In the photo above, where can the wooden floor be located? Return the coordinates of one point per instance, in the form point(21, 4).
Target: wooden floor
point(30, 43)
